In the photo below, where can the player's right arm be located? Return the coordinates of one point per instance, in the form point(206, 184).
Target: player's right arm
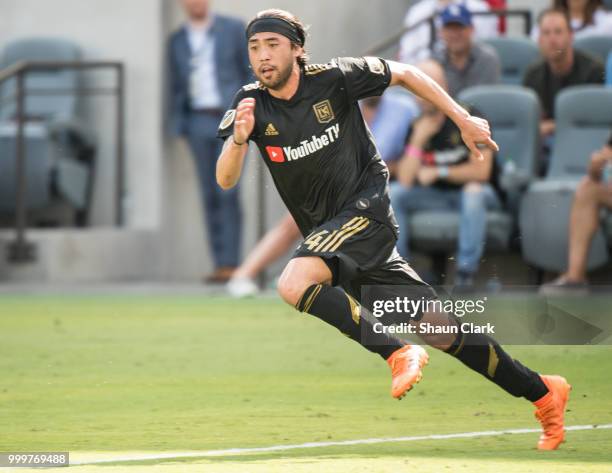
point(229, 165)
point(474, 130)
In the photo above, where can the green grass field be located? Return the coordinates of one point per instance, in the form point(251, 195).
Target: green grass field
point(108, 376)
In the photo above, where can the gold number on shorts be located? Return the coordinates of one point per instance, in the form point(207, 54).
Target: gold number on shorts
point(315, 239)
point(322, 242)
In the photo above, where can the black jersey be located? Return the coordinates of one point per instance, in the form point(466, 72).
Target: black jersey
point(446, 148)
point(320, 153)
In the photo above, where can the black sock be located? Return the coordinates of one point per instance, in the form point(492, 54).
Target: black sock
point(337, 308)
point(485, 356)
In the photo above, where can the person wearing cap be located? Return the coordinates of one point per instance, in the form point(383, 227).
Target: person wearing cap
point(207, 61)
point(466, 63)
point(419, 42)
point(306, 122)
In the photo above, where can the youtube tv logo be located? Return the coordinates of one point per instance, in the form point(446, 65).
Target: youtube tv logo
point(275, 153)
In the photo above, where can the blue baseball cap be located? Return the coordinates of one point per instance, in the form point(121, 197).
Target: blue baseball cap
point(456, 13)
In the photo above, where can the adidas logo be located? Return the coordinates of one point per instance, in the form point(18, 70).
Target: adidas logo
point(271, 130)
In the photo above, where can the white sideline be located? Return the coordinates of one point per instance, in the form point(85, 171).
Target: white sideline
point(280, 448)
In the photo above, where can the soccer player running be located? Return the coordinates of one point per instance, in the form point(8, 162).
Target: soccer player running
point(308, 127)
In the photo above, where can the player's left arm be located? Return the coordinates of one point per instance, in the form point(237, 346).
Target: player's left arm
point(474, 130)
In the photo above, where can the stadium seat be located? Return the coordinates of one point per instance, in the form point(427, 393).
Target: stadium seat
point(38, 166)
point(609, 70)
point(584, 120)
point(60, 150)
point(513, 113)
point(515, 55)
point(598, 46)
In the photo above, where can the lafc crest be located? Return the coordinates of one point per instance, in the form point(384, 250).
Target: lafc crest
point(324, 111)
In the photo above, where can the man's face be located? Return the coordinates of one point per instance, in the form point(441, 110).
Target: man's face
point(272, 58)
point(555, 36)
point(457, 37)
point(196, 9)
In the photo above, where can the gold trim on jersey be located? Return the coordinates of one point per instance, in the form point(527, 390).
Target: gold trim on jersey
point(253, 86)
point(312, 69)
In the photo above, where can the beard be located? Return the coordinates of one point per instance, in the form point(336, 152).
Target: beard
point(279, 78)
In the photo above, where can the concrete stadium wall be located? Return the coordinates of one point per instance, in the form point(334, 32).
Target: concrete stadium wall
point(127, 31)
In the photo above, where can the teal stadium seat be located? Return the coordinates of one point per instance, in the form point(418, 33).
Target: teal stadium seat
point(584, 120)
point(515, 55)
point(513, 113)
point(598, 46)
point(59, 149)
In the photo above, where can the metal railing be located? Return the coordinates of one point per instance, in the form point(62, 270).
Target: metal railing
point(20, 250)
point(393, 39)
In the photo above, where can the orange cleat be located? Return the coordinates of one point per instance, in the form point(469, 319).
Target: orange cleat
point(550, 410)
point(406, 364)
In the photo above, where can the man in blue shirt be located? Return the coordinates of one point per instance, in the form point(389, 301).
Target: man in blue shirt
point(208, 62)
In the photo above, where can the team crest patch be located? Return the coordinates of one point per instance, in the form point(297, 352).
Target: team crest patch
point(227, 119)
point(323, 111)
point(375, 65)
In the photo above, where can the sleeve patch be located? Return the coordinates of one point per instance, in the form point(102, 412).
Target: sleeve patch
point(375, 65)
point(227, 119)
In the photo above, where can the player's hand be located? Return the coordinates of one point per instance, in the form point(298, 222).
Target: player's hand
point(245, 120)
point(475, 131)
point(427, 175)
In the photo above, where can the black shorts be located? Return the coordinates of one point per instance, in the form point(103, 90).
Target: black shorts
point(360, 251)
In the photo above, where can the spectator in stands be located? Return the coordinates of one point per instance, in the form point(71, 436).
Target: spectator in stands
point(418, 44)
point(593, 194)
point(437, 172)
point(208, 62)
point(561, 67)
point(465, 62)
point(397, 108)
point(587, 17)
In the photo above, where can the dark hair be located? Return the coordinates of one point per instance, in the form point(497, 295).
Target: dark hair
point(557, 11)
point(302, 60)
point(589, 9)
